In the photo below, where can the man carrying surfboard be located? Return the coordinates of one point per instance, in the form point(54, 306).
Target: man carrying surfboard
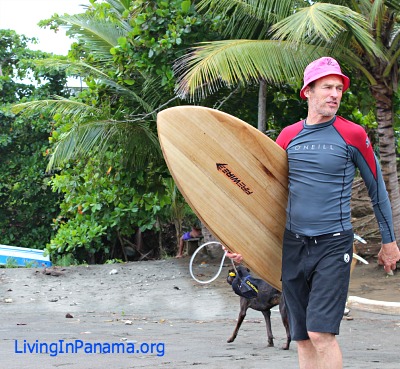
point(324, 151)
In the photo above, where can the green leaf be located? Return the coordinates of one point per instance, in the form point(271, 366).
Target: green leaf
point(122, 41)
point(129, 82)
point(186, 6)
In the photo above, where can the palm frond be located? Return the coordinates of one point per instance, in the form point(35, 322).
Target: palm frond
point(79, 68)
point(120, 5)
point(89, 133)
point(260, 9)
point(212, 65)
point(393, 5)
point(69, 109)
point(376, 11)
point(247, 18)
point(83, 140)
point(99, 35)
point(322, 23)
point(92, 130)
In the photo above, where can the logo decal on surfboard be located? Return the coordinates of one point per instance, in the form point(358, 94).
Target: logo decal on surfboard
point(233, 177)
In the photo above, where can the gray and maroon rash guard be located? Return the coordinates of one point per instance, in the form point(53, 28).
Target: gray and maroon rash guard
point(322, 164)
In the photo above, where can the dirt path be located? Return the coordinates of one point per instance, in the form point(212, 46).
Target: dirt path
point(168, 319)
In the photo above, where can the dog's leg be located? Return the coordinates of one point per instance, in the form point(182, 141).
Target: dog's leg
point(285, 321)
point(242, 314)
point(267, 317)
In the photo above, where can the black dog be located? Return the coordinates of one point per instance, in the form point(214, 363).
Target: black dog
point(266, 299)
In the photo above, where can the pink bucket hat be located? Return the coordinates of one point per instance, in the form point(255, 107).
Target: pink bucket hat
point(323, 67)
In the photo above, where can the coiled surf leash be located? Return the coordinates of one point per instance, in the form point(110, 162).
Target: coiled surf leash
point(220, 266)
point(356, 237)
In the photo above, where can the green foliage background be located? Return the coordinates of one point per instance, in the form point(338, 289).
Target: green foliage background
point(91, 208)
point(27, 204)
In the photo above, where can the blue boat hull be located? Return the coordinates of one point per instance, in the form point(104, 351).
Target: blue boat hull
point(23, 257)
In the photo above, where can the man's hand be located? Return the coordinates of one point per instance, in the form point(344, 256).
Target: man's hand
point(388, 256)
point(237, 258)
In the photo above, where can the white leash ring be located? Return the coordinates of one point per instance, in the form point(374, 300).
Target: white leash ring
point(194, 255)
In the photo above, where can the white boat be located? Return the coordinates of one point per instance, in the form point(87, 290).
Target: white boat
point(23, 257)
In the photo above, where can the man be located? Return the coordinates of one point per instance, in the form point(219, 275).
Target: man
point(324, 151)
point(194, 233)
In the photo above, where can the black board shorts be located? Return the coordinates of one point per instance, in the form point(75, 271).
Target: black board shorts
point(315, 281)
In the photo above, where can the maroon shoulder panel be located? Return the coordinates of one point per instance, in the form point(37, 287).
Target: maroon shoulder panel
point(355, 135)
point(288, 133)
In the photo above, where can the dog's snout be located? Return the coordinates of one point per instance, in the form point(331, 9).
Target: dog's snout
point(231, 277)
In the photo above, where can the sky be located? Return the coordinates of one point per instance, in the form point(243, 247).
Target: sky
point(22, 16)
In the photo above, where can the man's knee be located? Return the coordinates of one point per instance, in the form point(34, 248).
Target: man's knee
point(304, 344)
point(322, 341)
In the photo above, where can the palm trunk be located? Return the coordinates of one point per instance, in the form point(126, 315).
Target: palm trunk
point(387, 147)
point(262, 105)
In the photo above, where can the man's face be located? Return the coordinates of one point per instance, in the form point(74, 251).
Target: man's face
point(324, 97)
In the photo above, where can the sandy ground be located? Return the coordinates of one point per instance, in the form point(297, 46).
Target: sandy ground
point(156, 310)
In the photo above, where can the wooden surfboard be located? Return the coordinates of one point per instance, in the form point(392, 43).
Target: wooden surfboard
point(234, 178)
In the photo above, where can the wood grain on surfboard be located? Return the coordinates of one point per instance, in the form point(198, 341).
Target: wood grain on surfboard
point(234, 178)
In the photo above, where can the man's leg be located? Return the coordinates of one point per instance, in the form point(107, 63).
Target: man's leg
point(307, 355)
point(180, 249)
point(321, 351)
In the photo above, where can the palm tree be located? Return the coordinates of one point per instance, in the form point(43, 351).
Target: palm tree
point(364, 36)
point(126, 116)
point(96, 128)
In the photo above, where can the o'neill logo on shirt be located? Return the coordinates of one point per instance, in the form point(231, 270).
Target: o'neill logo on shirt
point(367, 142)
point(314, 147)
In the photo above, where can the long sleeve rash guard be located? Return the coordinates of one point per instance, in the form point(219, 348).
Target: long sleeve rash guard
point(322, 164)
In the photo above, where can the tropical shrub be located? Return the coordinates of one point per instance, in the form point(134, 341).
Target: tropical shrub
point(103, 206)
